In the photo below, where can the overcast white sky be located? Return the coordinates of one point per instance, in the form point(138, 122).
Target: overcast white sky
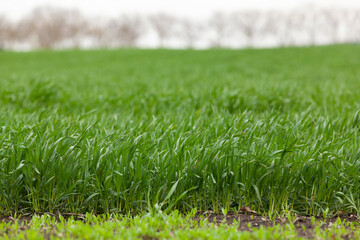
point(187, 8)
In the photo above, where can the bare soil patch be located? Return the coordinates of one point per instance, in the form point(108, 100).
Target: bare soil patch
point(246, 218)
point(250, 218)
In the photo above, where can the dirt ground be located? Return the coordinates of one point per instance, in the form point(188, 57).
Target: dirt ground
point(245, 217)
point(248, 218)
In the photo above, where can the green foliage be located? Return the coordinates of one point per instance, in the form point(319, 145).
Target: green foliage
point(134, 130)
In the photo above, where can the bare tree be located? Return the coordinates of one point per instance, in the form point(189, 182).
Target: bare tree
point(285, 27)
point(75, 27)
point(164, 26)
point(273, 26)
point(21, 33)
point(127, 30)
point(294, 28)
point(352, 23)
point(49, 27)
point(219, 24)
point(357, 26)
point(331, 21)
point(4, 31)
point(44, 26)
point(98, 33)
point(248, 24)
point(310, 24)
point(190, 32)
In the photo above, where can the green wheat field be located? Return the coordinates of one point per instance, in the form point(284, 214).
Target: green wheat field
point(129, 131)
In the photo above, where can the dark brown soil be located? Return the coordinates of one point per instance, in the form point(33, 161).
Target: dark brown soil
point(248, 218)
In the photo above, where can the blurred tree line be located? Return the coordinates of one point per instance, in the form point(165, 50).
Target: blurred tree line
point(54, 28)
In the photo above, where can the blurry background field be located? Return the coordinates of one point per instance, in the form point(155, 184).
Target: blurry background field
point(132, 130)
